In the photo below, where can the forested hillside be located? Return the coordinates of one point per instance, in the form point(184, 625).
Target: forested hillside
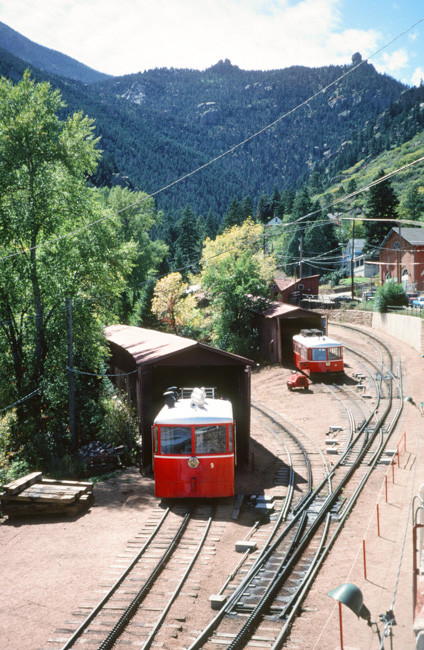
point(160, 125)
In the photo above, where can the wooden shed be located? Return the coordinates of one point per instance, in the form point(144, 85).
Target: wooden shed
point(147, 362)
point(277, 326)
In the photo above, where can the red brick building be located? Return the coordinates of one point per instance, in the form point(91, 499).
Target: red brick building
point(402, 258)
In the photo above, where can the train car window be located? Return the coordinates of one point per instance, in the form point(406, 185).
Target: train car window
point(175, 440)
point(304, 353)
point(334, 353)
point(156, 439)
point(210, 439)
point(231, 438)
point(319, 354)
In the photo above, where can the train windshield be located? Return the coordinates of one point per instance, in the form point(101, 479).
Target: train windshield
point(210, 439)
point(319, 354)
point(334, 353)
point(175, 440)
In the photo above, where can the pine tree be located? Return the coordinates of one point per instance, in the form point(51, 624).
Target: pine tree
point(188, 244)
point(381, 207)
point(233, 216)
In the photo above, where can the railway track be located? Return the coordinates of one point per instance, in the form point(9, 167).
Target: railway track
point(136, 605)
point(312, 496)
point(264, 604)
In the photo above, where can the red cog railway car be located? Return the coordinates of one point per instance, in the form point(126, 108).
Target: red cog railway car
point(194, 445)
point(315, 352)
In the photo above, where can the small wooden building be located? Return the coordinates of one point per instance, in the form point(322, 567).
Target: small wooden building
point(293, 291)
point(277, 326)
point(147, 362)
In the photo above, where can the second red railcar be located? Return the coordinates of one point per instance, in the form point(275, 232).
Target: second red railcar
point(315, 352)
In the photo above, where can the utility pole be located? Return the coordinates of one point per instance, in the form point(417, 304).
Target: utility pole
point(71, 375)
point(352, 257)
point(352, 261)
point(301, 256)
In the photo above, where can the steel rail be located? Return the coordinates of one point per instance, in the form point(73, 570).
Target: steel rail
point(290, 487)
point(349, 507)
point(245, 630)
point(114, 588)
point(297, 441)
point(123, 621)
point(178, 588)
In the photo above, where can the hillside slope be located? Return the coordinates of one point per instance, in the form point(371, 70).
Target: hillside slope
point(45, 58)
point(163, 124)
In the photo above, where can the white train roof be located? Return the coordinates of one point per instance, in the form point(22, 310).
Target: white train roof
point(213, 411)
point(317, 341)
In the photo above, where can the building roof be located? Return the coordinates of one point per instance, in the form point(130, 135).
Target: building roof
point(286, 283)
point(284, 310)
point(147, 346)
point(414, 236)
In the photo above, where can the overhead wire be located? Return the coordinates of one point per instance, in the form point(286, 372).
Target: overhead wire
point(223, 154)
point(231, 150)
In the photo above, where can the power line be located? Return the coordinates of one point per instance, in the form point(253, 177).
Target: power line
point(222, 155)
point(23, 399)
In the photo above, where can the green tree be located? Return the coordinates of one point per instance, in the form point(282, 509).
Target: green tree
point(319, 239)
point(188, 244)
point(236, 275)
point(174, 307)
point(414, 203)
point(264, 211)
point(288, 246)
point(233, 216)
point(48, 252)
point(381, 207)
point(137, 216)
point(211, 225)
point(247, 208)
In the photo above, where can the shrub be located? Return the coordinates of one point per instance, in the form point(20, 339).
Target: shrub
point(390, 294)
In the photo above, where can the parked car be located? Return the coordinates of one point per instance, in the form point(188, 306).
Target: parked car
point(418, 302)
point(341, 298)
point(412, 296)
point(368, 295)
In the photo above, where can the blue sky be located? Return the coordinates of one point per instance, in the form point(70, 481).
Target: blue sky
point(126, 36)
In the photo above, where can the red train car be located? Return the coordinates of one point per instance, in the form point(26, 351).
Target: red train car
point(315, 352)
point(194, 445)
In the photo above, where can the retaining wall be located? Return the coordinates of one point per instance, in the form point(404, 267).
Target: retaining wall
point(409, 329)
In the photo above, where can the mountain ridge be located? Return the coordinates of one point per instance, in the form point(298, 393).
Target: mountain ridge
point(46, 58)
point(161, 125)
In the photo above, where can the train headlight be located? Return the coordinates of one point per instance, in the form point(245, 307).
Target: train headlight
point(193, 462)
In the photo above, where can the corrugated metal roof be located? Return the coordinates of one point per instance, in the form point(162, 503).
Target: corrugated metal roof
point(288, 311)
point(147, 346)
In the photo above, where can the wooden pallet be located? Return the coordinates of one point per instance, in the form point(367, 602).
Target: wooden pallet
point(34, 495)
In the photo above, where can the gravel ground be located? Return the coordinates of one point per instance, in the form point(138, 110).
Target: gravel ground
point(51, 566)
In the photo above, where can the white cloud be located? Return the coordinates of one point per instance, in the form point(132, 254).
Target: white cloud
point(417, 76)
point(132, 35)
point(395, 61)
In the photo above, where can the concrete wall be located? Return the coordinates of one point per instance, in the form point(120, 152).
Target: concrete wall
point(409, 329)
